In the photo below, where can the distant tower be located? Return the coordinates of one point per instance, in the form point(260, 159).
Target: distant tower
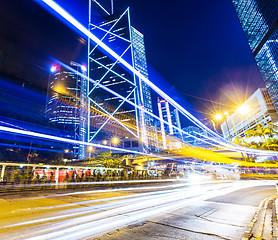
point(171, 117)
point(109, 115)
point(176, 122)
point(66, 105)
point(259, 21)
point(165, 114)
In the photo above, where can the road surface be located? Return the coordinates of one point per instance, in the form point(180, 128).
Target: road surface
point(171, 211)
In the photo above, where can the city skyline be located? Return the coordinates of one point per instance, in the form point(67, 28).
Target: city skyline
point(109, 123)
point(204, 83)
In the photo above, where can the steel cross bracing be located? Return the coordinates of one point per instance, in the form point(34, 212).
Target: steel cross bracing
point(99, 67)
point(96, 40)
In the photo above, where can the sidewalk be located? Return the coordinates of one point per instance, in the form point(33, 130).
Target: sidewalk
point(264, 224)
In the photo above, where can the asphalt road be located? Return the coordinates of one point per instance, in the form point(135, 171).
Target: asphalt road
point(169, 211)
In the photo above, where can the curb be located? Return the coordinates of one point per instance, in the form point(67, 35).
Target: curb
point(248, 232)
point(260, 218)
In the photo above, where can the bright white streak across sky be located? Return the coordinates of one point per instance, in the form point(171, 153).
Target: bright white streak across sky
point(53, 5)
point(85, 31)
point(71, 141)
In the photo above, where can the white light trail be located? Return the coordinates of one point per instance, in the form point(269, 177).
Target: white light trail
point(96, 183)
point(129, 212)
point(131, 199)
point(54, 6)
point(58, 9)
point(71, 141)
point(219, 143)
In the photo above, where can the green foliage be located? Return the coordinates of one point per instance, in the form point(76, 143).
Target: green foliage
point(266, 134)
point(109, 161)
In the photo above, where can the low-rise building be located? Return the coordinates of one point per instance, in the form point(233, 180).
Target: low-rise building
point(258, 108)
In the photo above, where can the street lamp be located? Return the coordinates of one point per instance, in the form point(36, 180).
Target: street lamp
point(218, 117)
point(243, 109)
point(115, 140)
point(90, 149)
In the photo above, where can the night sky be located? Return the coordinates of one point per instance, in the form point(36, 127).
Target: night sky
point(198, 47)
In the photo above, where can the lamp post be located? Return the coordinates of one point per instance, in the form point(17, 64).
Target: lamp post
point(243, 109)
point(90, 149)
point(218, 117)
point(226, 115)
point(114, 141)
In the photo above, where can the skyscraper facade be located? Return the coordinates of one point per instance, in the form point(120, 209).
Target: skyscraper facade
point(259, 21)
point(110, 115)
point(66, 106)
point(168, 131)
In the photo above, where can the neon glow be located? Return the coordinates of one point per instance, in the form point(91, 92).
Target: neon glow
point(81, 28)
point(71, 141)
point(54, 68)
point(84, 30)
point(147, 112)
point(108, 216)
point(83, 68)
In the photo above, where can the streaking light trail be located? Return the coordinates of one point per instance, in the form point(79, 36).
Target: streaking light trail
point(58, 9)
point(71, 141)
point(54, 6)
point(92, 220)
point(219, 143)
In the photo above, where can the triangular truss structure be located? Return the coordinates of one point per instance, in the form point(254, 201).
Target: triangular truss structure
point(111, 115)
point(115, 116)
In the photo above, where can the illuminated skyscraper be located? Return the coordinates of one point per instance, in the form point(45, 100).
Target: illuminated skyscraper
point(259, 21)
point(66, 106)
point(172, 118)
point(110, 115)
point(176, 122)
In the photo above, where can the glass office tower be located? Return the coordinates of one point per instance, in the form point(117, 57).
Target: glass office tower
point(110, 115)
point(259, 21)
point(66, 106)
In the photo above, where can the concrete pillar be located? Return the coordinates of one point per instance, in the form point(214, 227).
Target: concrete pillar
point(2, 173)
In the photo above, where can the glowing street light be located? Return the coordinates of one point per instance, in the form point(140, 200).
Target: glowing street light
point(243, 109)
point(115, 140)
point(83, 68)
point(218, 117)
point(90, 149)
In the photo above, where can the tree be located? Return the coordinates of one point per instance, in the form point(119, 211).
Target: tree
point(259, 131)
point(271, 129)
point(108, 161)
point(266, 134)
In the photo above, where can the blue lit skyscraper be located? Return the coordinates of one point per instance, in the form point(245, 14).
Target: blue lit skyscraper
point(259, 21)
point(110, 115)
point(66, 106)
